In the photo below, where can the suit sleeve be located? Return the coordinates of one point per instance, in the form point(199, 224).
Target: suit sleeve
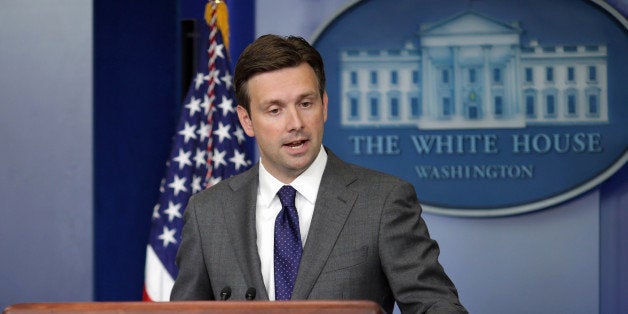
point(410, 257)
point(193, 282)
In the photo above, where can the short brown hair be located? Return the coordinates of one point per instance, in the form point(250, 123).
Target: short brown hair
point(272, 52)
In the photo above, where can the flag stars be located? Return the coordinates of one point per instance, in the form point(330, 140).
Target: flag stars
point(199, 80)
point(193, 106)
point(162, 184)
point(173, 211)
point(228, 79)
point(239, 134)
point(183, 159)
point(199, 158)
point(203, 131)
point(238, 160)
point(223, 132)
point(188, 132)
point(196, 184)
point(205, 104)
point(214, 180)
point(218, 157)
point(226, 105)
point(218, 50)
point(167, 236)
point(156, 212)
point(178, 185)
point(213, 76)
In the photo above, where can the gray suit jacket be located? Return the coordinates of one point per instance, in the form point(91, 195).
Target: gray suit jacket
point(367, 241)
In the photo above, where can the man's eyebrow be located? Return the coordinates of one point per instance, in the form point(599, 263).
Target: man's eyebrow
point(274, 101)
point(308, 94)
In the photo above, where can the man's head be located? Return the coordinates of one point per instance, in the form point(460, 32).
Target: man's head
point(272, 52)
point(280, 89)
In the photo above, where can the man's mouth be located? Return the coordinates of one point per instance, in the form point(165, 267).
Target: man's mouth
point(295, 144)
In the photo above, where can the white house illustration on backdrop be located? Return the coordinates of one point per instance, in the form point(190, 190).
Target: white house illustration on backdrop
point(471, 71)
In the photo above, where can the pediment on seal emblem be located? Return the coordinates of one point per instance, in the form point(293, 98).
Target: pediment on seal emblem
point(469, 22)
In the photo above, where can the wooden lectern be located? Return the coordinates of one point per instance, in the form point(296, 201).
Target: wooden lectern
point(195, 307)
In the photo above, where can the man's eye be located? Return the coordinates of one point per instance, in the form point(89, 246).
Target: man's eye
point(306, 104)
point(273, 111)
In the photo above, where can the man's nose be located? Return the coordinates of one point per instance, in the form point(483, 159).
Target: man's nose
point(295, 120)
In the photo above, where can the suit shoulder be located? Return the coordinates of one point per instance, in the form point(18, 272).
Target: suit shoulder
point(227, 186)
point(352, 173)
point(373, 175)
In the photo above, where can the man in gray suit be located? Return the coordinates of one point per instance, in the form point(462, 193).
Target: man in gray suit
point(303, 224)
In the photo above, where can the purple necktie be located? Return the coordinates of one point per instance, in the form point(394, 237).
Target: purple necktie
point(288, 248)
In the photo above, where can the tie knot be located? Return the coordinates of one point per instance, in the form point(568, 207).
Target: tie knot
point(286, 195)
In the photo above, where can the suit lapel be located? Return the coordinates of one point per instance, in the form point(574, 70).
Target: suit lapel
point(333, 205)
point(240, 219)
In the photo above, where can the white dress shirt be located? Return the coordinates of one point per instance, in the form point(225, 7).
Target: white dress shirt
point(268, 207)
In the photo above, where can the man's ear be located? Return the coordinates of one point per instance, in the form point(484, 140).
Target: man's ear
point(245, 121)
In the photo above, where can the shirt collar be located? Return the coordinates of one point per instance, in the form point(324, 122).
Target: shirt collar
point(306, 183)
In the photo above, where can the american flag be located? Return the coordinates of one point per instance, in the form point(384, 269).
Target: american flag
point(209, 146)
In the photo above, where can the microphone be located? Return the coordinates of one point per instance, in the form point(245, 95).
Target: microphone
point(225, 293)
point(250, 294)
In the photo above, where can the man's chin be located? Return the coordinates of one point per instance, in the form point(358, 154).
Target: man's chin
point(300, 163)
